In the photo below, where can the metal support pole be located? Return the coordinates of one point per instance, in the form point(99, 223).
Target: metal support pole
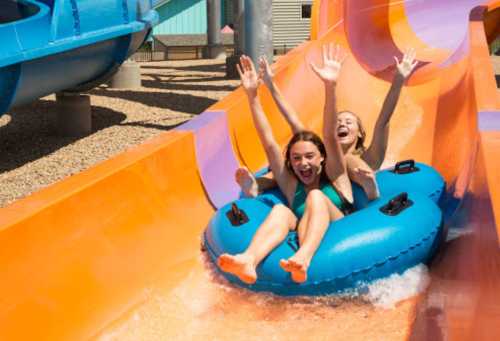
point(258, 29)
point(215, 48)
point(239, 38)
point(239, 26)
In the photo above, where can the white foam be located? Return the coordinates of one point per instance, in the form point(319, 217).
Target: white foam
point(386, 292)
point(383, 293)
point(204, 305)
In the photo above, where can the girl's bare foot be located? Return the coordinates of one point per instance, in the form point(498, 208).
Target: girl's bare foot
point(241, 265)
point(297, 268)
point(247, 182)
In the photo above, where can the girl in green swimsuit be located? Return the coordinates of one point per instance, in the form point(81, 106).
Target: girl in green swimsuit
point(311, 174)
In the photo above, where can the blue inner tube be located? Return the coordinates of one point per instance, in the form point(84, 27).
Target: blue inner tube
point(389, 235)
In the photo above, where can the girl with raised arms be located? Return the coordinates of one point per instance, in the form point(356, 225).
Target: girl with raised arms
point(311, 174)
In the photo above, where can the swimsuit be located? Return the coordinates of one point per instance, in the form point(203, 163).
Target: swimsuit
point(299, 199)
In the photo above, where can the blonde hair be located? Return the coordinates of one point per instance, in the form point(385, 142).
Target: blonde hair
point(360, 142)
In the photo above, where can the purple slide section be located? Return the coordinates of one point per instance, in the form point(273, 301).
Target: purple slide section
point(440, 23)
point(489, 121)
point(461, 51)
point(215, 156)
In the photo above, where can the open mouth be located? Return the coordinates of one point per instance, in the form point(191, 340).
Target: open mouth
point(342, 131)
point(306, 174)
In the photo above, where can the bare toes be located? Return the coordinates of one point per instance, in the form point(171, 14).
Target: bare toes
point(247, 182)
point(286, 265)
point(299, 276)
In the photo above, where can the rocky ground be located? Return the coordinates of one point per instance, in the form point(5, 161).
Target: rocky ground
point(32, 156)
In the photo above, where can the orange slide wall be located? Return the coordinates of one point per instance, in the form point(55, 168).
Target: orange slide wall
point(77, 255)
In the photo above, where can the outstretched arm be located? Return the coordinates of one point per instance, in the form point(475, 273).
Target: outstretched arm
point(266, 74)
point(375, 153)
point(250, 83)
point(333, 58)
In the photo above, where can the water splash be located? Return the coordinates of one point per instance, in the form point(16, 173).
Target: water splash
point(203, 305)
point(387, 292)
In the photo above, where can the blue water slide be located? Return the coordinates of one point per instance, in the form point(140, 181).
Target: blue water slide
point(71, 45)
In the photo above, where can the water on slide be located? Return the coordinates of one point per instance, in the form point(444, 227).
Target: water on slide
point(202, 305)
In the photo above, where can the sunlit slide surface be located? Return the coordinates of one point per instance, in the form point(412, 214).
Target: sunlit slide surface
point(113, 253)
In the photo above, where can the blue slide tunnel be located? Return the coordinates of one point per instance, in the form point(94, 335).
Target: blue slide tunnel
point(73, 45)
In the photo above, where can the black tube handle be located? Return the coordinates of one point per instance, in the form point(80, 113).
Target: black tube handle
point(396, 205)
point(236, 216)
point(401, 199)
point(405, 167)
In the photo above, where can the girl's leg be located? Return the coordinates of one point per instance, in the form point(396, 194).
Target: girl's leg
point(252, 186)
point(319, 213)
point(363, 175)
point(302, 227)
point(273, 231)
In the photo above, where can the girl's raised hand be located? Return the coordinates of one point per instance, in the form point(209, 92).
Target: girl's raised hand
point(248, 75)
point(333, 57)
point(407, 64)
point(265, 72)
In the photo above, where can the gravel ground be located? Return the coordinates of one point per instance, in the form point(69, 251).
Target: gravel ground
point(33, 157)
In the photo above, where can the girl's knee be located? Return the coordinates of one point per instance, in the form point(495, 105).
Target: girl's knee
point(318, 202)
point(315, 197)
point(280, 208)
point(282, 212)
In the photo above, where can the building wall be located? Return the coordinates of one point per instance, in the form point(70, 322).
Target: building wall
point(227, 12)
point(289, 28)
point(189, 16)
point(182, 17)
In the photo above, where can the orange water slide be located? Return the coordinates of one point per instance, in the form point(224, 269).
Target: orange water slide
point(79, 255)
